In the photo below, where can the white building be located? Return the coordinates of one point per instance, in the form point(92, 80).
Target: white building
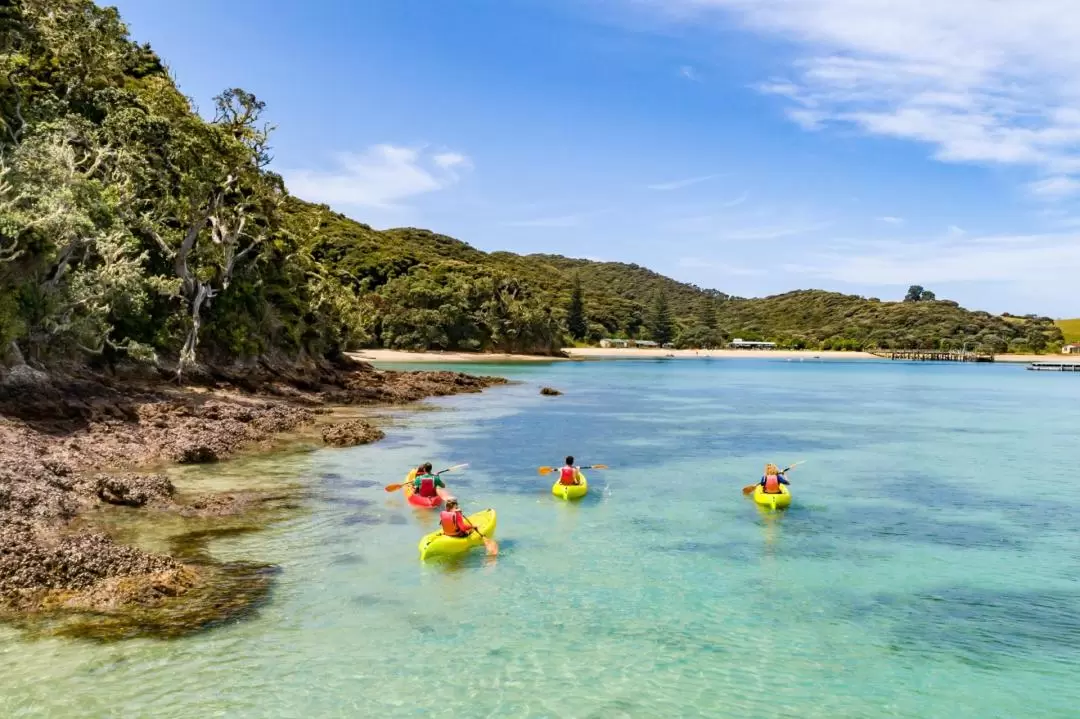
point(741, 344)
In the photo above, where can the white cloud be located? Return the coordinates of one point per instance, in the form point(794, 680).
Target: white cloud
point(888, 220)
point(680, 184)
point(774, 232)
point(450, 160)
point(382, 176)
point(1021, 259)
point(688, 72)
point(955, 231)
point(735, 202)
point(980, 81)
point(1055, 187)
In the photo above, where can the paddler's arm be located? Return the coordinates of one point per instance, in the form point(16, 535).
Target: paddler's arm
point(782, 478)
point(464, 525)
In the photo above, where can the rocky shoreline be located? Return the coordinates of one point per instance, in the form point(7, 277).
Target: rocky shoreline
point(72, 444)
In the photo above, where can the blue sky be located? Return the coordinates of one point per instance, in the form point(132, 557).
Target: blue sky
point(753, 146)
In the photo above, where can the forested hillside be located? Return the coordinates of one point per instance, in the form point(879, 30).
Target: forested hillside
point(131, 227)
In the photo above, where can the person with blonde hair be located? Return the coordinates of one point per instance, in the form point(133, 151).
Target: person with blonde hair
point(772, 479)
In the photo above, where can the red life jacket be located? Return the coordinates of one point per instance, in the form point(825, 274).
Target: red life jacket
point(568, 475)
point(772, 484)
point(453, 523)
point(427, 487)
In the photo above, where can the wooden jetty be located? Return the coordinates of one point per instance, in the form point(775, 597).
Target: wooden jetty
point(933, 356)
point(1055, 366)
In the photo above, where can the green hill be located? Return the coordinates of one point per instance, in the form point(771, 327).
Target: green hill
point(1070, 329)
point(131, 227)
point(618, 298)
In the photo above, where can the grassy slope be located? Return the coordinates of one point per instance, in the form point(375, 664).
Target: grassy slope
point(1070, 329)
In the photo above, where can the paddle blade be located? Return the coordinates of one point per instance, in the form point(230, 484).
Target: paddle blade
point(748, 489)
point(393, 487)
point(544, 471)
point(596, 466)
point(491, 546)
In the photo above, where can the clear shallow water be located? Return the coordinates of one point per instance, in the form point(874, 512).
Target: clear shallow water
point(929, 566)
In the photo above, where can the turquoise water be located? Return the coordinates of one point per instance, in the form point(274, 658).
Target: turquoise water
point(928, 567)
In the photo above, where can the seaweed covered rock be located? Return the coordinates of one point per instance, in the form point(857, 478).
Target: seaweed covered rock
point(352, 433)
point(136, 490)
point(35, 557)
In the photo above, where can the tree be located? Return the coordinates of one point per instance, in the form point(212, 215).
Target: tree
point(914, 293)
point(706, 314)
point(659, 321)
point(576, 321)
point(224, 209)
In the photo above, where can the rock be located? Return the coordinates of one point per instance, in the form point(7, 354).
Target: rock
point(134, 490)
point(352, 433)
point(550, 392)
point(195, 453)
point(59, 432)
point(34, 558)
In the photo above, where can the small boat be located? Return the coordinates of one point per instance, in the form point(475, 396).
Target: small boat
point(438, 544)
point(571, 491)
point(415, 499)
point(772, 501)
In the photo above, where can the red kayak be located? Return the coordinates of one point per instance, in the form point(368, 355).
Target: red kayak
point(417, 501)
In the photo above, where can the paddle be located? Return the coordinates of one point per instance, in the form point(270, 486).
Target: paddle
point(544, 471)
point(749, 489)
point(490, 545)
point(396, 487)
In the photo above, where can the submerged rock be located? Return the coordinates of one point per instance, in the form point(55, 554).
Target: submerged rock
point(550, 392)
point(134, 490)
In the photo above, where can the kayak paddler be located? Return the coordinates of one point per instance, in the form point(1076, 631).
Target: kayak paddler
point(427, 484)
point(453, 522)
point(772, 479)
point(568, 474)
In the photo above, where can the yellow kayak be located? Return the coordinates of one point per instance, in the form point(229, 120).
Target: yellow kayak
point(571, 491)
point(438, 544)
point(773, 501)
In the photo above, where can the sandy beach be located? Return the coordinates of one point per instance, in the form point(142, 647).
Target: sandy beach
point(405, 357)
point(599, 353)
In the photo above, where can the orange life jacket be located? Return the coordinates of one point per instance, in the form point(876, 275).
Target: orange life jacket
point(772, 484)
point(453, 523)
point(568, 475)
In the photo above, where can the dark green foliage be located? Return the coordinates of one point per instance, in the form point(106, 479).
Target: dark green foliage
point(828, 320)
point(660, 323)
point(576, 322)
point(916, 293)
